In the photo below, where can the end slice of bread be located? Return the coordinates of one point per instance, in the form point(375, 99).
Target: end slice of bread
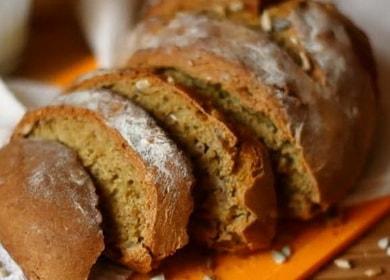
point(49, 219)
point(143, 180)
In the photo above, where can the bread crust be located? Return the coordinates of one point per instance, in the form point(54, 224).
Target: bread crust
point(168, 211)
point(331, 122)
point(241, 11)
point(256, 191)
point(48, 211)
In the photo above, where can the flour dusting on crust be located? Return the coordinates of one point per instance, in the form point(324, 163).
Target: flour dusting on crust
point(60, 178)
point(139, 130)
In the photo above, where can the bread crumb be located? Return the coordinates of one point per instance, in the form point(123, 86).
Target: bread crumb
point(208, 277)
point(142, 84)
point(265, 22)
point(388, 251)
point(158, 277)
point(236, 6)
point(278, 257)
point(372, 272)
point(190, 63)
point(343, 263)
point(384, 243)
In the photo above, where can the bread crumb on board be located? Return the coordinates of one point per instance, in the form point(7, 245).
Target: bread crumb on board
point(278, 257)
point(384, 243)
point(372, 272)
point(343, 263)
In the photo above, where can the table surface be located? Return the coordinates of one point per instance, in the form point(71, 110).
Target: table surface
point(63, 35)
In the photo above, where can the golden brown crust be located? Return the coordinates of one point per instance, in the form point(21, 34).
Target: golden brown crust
point(167, 212)
point(250, 161)
point(46, 194)
point(331, 121)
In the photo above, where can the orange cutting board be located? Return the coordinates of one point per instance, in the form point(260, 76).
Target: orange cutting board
point(313, 244)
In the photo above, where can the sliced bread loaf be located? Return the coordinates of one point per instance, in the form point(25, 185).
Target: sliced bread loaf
point(319, 133)
point(48, 213)
point(235, 206)
point(143, 180)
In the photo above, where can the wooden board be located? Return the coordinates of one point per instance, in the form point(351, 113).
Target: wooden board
point(364, 254)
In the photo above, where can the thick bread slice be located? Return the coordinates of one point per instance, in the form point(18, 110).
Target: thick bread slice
point(319, 133)
point(143, 180)
point(235, 208)
point(49, 222)
point(241, 11)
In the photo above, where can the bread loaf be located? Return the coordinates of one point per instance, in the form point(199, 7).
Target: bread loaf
point(316, 114)
point(235, 198)
point(143, 180)
point(49, 222)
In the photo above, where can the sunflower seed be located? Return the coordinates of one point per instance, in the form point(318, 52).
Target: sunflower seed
point(265, 22)
point(305, 61)
point(343, 263)
point(142, 84)
point(278, 257)
point(372, 272)
point(383, 243)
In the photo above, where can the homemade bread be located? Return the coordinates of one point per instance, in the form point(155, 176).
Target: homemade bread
point(143, 180)
point(49, 222)
point(235, 206)
point(318, 129)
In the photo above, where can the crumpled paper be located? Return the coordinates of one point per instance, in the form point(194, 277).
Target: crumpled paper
point(107, 25)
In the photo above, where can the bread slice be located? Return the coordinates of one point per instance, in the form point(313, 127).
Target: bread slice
point(49, 222)
point(143, 180)
point(241, 11)
point(319, 133)
point(235, 197)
